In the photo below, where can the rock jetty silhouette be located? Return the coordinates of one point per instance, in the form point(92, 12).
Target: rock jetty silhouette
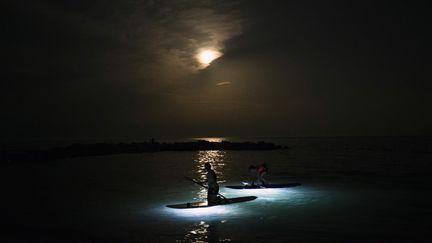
point(80, 150)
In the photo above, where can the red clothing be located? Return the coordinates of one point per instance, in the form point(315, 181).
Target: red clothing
point(261, 169)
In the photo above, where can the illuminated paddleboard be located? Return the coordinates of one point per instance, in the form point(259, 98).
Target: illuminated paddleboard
point(204, 204)
point(265, 187)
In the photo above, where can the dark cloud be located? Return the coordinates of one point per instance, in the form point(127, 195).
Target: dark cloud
point(128, 68)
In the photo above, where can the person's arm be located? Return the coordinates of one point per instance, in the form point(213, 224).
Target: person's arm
point(203, 182)
point(199, 182)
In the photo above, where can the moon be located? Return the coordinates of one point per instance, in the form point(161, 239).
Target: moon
point(205, 57)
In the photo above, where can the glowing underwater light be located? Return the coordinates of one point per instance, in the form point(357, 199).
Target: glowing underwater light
point(219, 210)
point(269, 194)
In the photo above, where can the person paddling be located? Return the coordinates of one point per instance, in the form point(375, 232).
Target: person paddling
point(258, 173)
point(213, 187)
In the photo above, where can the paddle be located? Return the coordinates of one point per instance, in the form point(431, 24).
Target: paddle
point(204, 186)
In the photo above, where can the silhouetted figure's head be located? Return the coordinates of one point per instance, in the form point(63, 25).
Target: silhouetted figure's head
point(207, 166)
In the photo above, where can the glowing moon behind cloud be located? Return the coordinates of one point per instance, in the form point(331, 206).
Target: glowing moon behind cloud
point(205, 57)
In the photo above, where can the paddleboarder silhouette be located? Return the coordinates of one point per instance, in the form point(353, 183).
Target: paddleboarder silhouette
point(258, 173)
point(213, 187)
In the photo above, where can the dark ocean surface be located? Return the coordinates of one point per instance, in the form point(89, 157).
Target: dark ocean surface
point(354, 189)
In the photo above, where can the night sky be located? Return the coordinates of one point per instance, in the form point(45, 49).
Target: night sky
point(128, 68)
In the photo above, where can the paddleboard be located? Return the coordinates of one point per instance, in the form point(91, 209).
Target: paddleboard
point(204, 204)
point(265, 187)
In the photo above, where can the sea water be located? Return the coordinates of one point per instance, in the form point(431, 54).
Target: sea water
point(353, 189)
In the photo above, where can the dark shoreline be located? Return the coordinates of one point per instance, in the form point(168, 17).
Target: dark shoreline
point(97, 149)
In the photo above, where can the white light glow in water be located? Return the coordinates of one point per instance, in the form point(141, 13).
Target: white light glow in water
point(269, 200)
point(221, 210)
point(269, 194)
